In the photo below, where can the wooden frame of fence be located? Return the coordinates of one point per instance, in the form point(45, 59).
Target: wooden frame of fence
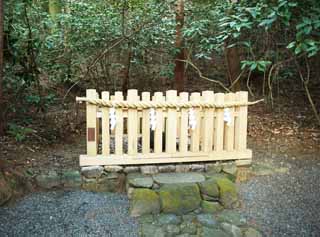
point(211, 140)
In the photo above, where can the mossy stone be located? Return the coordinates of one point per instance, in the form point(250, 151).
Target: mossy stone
point(139, 180)
point(211, 207)
point(228, 192)
point(166, 219)
point(250, 232)
point(213, 232)
point(172, 230)
point(144, 201)
point(207, 220)
point(188, 228)
point(209, 188)
point(179, 198)
point(47, 181)
point(149, 218)
point(231, 217)
point(71, 179)
point(148, 230)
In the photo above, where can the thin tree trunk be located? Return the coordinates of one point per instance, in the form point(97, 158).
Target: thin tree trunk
point(179, 65)
point(2, 116)
point(233, 67)
point(126, 74)
point(233, 62)
point(54, 10)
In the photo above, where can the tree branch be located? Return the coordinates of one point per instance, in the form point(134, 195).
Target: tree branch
point(204, 77)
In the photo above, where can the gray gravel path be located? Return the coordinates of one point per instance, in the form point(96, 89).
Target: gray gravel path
point(72, 213)
point(285, 204)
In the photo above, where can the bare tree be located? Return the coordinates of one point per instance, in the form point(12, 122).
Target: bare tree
point(180, 57)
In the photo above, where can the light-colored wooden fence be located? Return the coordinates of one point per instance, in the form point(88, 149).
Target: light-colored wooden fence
point(202, 127)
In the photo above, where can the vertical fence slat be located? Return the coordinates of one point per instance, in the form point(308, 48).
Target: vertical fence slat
point(195, 134)
point(105, 126)
point(158, 96)
point(171, 126)
point(241, 122)
point(119, 125)
point(132, 124)
point(98, 124)
point(91, 124)
point(219, 123)
point(145, 125)
point(207, 138)
point(183, 136)
point(229, 129)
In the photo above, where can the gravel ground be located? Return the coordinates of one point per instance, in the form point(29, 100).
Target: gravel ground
point(71, 213)
point(285, 204)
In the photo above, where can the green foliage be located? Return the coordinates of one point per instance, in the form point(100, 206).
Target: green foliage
point(89, 41)
point(19, 132)
point(260, 65)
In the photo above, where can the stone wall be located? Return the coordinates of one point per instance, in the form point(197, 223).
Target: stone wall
point(181, 193)
point(113, 178)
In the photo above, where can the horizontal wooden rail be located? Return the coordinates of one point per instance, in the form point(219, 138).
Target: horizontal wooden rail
point(164, 158)
point(154, 104)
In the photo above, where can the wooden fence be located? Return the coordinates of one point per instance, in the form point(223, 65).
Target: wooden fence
point(165, 129)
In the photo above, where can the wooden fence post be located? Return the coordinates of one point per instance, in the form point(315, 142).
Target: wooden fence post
point(158, 96)
point(132, 124)
point(171, 126)
point(105, 126)
point(207, 138)
point(241, 122)
point(195, 134)
point(219, 123)
point(145, 125)
point(118, 136)
point(91, 124)
point(183, 136)
point(229, 128)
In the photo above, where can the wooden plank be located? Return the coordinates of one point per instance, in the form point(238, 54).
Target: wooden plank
point(119, 125)
point(195, 134)
point(91, 124)
point(241, 122)
point(158, 96)
point(229, 129)
point(105, 126)
point(145, 125)
point(98, 125)
point(132, 124)
point(164, 158)
point(219, 123)
point(171, 126)
point(183, 135)
point(207, 138)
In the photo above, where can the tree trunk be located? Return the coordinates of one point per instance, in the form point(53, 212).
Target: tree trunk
point(54, 8)
point(126, 73)
point(233, 67)
point(179, 65)
point(2, 116)
point(233, 62)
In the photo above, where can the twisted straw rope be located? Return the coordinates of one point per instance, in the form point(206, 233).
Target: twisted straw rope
point(164, 104)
